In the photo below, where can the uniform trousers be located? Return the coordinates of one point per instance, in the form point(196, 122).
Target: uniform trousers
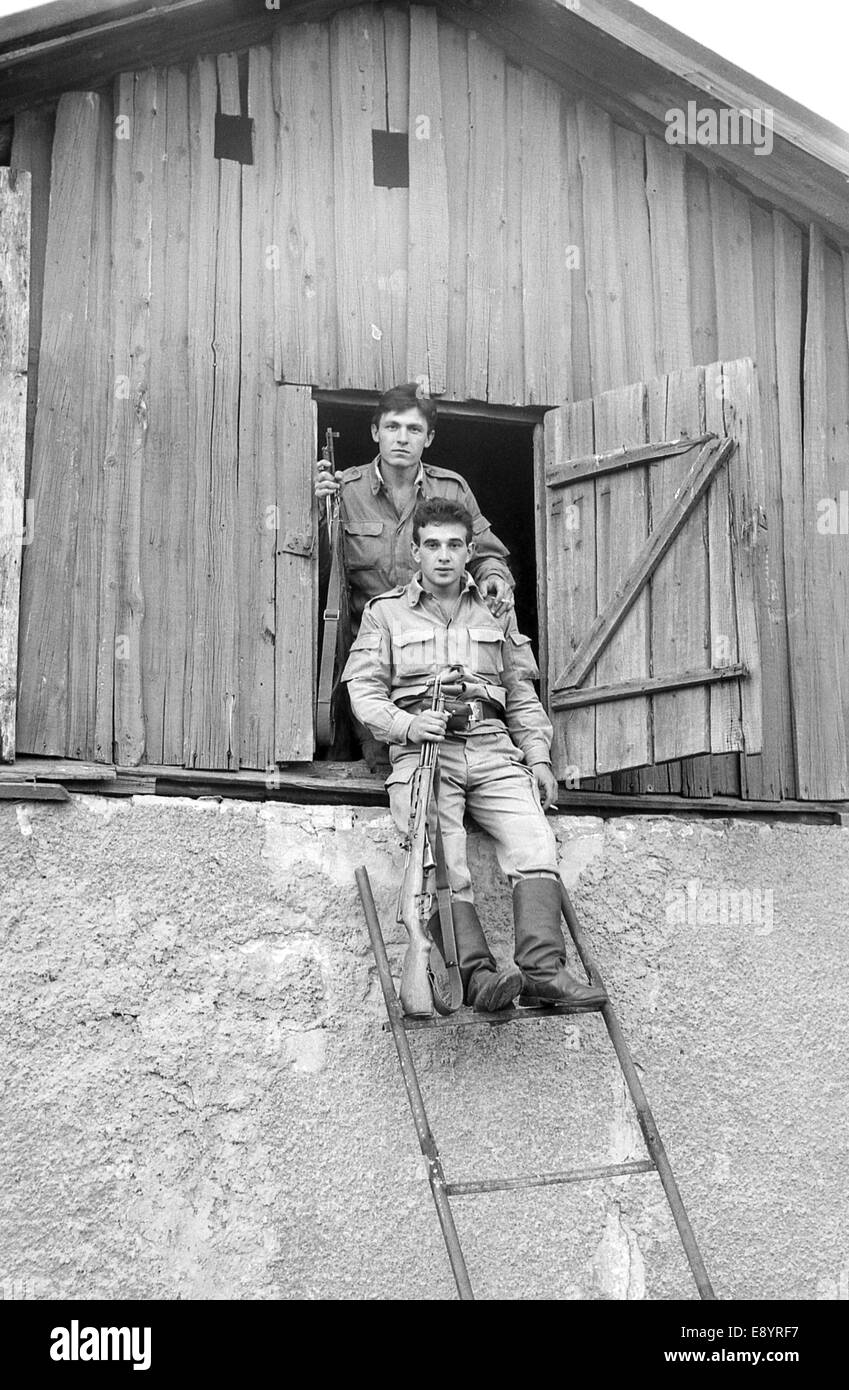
point(481, 773)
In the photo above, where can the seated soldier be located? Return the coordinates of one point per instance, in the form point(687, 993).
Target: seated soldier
point(496, 764)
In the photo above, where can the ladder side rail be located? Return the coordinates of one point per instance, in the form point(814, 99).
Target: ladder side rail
point(645, 1118)
point(427, 1143)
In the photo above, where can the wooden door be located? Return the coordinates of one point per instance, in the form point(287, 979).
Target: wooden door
point(653, 546)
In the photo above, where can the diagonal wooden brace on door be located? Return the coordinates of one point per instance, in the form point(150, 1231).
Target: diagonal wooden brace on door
point(711, 458)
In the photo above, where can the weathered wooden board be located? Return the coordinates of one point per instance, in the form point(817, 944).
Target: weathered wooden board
point(391, 50)
point(635, 250)
point(32, 144)
point(131, 243)
point(603, 269)
point(774, 595)
point(571, 553)
point(622, 526)
point(169, 382)
point(352, 89)
point(48, 564)
point(545, 267)
point(203, 220)
point(14, 357)
point(454, 81)
point(679, 617)
point(296, 577)
point(701, 277)
point(507, 366)
point(572, 220)
point(667, 198)
point(96, 388)
point(788, 355)
point(429, 229)
point(258, 462)
point(485, 338)
point(822, 755)
point(301, 248)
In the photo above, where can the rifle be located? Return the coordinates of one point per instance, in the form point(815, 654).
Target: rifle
point(420, 989)
point(336, 634)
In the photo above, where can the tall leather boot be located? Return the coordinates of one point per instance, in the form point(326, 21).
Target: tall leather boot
point(541, 950)
point(486, 987)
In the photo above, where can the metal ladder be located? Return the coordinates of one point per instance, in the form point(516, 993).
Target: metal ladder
point(441, 1190)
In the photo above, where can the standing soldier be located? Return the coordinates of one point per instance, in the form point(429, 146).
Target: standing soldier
point(494, 750)
point(377, 502)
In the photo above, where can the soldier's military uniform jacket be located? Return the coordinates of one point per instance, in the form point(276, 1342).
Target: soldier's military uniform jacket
point(405, 639)
point(377, 540)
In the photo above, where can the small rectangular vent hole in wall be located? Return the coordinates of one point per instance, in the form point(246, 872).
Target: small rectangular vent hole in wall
point(234, 138)
point(390, 159)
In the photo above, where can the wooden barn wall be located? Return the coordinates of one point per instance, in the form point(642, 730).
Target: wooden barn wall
point(542, 253)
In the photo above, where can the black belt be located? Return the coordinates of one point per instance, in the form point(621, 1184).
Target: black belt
point(463, 715)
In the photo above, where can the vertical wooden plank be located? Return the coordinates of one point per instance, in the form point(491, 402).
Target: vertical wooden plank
point(571, 564)
point(507, 365)
point(726, 724)
point(131, 241)
point(546, 273)
point(822, 754)
point(351, 71)
point(302, 244)
point(737, 338)
point(96, 388)
point(429, 217)
point(603, 269)
point(775, 599)
point(258, 409)
point(572, 218)
point(486, 223)
point(741, 419)
point(666, 191)
point(48, 565)
point(837, 436)
point(169, 427)
point(32, 144)
point(679, 616)
point(622, 525)
point(700, 246)
point(636, 254)
point(203, 220)
point(296, 591)
point(396, 42)
point(454, 79)
point(15, 196)
point(788, 355)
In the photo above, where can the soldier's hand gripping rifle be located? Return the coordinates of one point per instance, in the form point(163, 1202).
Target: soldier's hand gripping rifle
point(420, 988)
point(336, 634)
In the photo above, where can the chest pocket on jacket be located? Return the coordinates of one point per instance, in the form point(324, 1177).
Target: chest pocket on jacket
point(363, 549)
point(485, 650)
point(415, 650)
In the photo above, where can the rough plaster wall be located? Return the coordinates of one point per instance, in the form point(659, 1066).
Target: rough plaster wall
point(197, 1098)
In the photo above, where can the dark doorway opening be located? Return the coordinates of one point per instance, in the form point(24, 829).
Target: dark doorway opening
point(495, 456)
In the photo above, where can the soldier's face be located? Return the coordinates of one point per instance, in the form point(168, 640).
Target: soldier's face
point(441, 554)
point(403, 435)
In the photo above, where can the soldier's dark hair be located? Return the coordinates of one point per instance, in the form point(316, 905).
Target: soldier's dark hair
point(439, 511)
point(411, 395)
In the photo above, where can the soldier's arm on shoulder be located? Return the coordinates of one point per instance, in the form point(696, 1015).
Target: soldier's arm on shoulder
point(368, 675)
point(528, 724)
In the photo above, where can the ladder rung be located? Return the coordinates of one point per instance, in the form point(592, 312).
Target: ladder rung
point(605, 1170)
point(466, 1017)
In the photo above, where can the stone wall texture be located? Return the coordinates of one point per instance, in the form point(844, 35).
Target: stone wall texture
point(198, 1098)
